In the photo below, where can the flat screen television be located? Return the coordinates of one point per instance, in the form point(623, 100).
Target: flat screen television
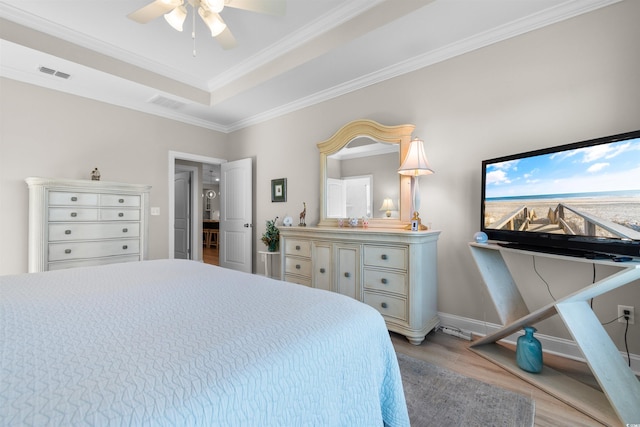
point(580, 199)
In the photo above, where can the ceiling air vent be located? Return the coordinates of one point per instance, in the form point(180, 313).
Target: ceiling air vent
point(47, 70)
point(62, 75)
point(165, 102)
point(56, 73)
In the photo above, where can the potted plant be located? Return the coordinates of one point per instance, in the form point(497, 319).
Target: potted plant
point(271, 236)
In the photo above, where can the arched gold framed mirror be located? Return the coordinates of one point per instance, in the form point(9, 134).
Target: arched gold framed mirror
point(380, 151)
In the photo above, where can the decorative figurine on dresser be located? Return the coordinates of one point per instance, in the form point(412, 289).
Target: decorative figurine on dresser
point(95, 174)
point(380, 264)
point(75, 223)
point(303, 215)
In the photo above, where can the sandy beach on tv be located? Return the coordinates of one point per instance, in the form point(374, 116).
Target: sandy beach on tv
point(621, 210)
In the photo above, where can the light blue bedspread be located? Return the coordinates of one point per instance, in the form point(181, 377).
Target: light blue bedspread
point(172, 342)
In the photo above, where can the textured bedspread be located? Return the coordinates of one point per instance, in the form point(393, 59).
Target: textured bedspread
point(172, 342)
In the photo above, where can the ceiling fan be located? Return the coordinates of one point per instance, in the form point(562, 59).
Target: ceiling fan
point(175, 13)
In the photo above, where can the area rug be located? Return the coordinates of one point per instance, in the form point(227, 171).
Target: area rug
point(439, 397)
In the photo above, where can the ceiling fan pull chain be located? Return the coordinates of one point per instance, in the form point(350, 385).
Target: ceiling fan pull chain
point(193, 29)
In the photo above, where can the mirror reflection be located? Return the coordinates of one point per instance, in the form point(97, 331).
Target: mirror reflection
point(360, 177)
point(365, 155)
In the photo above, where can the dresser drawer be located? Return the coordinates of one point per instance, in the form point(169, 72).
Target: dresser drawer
point(73, 214)
point(91, 231)
point(298, 266)
point(119, 214)
point(387, 305)
point(298, 247)
point(63, 198)
point(385, 256)
point(299, 280)
point(119, 200)
point(74, 250)
point(385, 280)
point(91, 262)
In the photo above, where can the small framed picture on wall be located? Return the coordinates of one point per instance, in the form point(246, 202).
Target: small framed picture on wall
point(279, 190)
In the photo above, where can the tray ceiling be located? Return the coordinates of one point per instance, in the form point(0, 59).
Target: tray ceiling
point(316, 51)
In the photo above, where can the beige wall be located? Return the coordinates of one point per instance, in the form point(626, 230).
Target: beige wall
point(52, 134)
point(571, 81)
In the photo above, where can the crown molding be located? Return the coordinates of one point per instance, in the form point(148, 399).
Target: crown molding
point(321, 25)
point(564, 11)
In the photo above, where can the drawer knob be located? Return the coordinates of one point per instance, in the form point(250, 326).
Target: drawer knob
point(67, 251)
point(297, 266)
point(297, 247)
point(67, 231)
point(74, 214)
point(383, 305)
point(74, 199)
point(384, 256)
point(322, 270)
point(125, 247)
point(125, 230)
point(347, 274)
point(120, 214)
point(384, 281)
point(120, 200)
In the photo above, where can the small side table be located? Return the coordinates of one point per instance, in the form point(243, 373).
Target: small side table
point(267, 257)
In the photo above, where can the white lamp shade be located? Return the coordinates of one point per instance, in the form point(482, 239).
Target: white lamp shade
point(176, 17)
point(387, 205)
point(416, 162)
point(214, 6)
point(213, 21)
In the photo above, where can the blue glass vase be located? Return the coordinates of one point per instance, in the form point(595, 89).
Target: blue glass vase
point(529, 351)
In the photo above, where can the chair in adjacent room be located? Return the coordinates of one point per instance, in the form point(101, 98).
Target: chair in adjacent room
point(206, 237)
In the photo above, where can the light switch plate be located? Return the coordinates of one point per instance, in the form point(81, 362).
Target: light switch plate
point(155, 211)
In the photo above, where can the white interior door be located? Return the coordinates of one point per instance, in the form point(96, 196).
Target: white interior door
point(236, 212)
point(336, 198)
point(182, 215)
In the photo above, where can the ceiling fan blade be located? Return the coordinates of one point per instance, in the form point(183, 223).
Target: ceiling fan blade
point(226, 39)
point(153, 10)
point(270, 7)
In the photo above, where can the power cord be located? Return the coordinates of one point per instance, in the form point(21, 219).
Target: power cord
point(593, 280)
point(535, 268)
point(626, 330)
point(625, 315)
point(611, 321)
point(626, 344)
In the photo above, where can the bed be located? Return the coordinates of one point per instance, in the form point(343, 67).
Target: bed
point(175, 342)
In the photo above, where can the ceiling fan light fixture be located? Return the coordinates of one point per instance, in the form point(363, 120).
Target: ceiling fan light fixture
point(176, 17)
point(214, 6)
point(213, 21)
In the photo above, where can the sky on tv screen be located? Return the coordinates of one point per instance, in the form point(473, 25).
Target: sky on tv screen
point(601, 169)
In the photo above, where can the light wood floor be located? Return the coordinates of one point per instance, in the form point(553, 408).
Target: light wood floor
point(211, 256)
point(453, 353)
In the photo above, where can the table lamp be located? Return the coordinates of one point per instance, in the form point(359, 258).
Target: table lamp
point(387, 206)
point(414, 165)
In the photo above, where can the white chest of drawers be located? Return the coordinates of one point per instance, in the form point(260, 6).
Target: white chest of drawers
point(75, 223)
point(394, 271)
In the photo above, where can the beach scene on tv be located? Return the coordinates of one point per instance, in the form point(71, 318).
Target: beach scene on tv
point(588, 191)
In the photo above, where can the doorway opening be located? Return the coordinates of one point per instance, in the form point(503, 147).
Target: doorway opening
point(196, 202)
point(211, 213)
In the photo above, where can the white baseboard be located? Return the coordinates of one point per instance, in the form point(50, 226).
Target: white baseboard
point(552, 345)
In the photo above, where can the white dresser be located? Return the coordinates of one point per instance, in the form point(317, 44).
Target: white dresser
point(76, 223)
point(394, 271)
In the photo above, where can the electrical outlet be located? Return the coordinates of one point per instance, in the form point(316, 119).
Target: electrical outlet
point(621, 310)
